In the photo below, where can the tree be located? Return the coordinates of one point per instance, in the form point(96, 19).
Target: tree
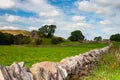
point(6, 39)
point(115, 37)
point(76, 36)
point(99, 38)
point(47, 31)
point(21, 39)
point(1, 38)
point(9, 39)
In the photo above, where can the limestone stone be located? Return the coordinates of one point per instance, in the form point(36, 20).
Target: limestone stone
point(16, 71)
point(48, 71)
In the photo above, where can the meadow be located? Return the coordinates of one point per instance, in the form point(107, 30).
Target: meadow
point(31, 55)
point(109, 66)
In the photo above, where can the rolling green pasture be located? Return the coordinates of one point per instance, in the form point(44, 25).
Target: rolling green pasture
point(31, 55)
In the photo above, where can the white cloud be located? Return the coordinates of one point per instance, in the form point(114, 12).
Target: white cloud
point(110, 3)
point(86, 6)
point(7, 4)
point(9, 28)
point(11, 18)
point(32, 28)
point(82, 25)
point(8, 18)
point(108, 10)
point(71, 26)
point(49, 21)
point(47, 13)
point(52, 13)
point(40, 7)
point(78, 18)
point(105, 22)
point(96, 6)
point(111, 30)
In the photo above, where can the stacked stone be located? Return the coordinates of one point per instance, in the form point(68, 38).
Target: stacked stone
point(48, 71)
point(70, 68)
point(17, 71)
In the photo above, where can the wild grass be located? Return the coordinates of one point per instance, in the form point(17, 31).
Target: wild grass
point(31, 55)
point(109, 66)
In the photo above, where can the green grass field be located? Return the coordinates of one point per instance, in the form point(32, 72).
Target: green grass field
point(31, 55)
point(109, 66)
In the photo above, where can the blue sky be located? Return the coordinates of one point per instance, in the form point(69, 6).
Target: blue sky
point(92, 17)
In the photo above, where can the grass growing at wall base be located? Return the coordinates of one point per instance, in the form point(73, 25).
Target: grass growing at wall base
point(31, 55)
point(109, 66)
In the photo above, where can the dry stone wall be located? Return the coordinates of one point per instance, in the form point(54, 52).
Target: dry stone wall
point(70, 68)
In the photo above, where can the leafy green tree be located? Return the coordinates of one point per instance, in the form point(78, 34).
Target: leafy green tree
point(26, 40)
point(56, 40)
point(47, 31)
point(1, 38)
point(18, 39)
point(76, 36)
point(99, 38)
point(9, 39)
point(6, 39)
point(115, 37)
point(21, 39)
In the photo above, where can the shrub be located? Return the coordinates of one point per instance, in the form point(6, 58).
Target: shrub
point(26, 40)
point(6, 39)
point(21, 39)
point(115, 37)
point(38, 41)
point(99, 38)
point(76, 36)
point(56, 40)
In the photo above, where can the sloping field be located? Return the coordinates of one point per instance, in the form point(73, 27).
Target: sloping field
point(30, 55)
point(16, 32)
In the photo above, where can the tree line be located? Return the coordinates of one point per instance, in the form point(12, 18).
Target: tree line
point(47, 31)
point(8, 39)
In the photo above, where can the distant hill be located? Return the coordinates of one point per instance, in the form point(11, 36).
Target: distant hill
point(16, 32)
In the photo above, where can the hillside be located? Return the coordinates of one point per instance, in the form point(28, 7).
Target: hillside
point(16, 32)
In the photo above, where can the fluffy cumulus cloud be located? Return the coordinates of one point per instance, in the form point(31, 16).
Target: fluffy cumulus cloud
point(105, 22)
point(110, 3)
point(106, 10)
point(9, 27)
point(11, 18)
point(104, 7)
point(7, 4)
point(14, 19)
point(111, 30)
point(50, 21)
point(86, 6)
point(92, 17)
point(40, 7)
point(45, 12)
point(32, 28)
point(78, 18)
